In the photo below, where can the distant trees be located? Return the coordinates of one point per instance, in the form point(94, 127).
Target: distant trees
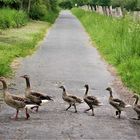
point(28, 4)
point(127, 4)
point(36, 9)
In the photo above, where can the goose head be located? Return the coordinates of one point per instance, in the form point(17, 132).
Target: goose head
point(86, 86)
point(135, 96)
point(25, 76)
point(3, 81)
point(109, 89)
point(62, 87)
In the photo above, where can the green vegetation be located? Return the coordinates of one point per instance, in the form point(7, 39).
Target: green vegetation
point(19, 42)
point(20, 11)
point(12, 18)
point(127, 4)
point(118, 41)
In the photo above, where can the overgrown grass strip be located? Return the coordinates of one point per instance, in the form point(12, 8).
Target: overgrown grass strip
point(118, 40)
point(19, 42)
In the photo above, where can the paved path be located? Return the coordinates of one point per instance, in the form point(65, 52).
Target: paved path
point(66, 57)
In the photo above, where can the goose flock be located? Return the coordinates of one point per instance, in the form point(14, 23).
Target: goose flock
point(33, 99)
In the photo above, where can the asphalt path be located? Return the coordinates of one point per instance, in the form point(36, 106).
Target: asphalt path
point(66, 57)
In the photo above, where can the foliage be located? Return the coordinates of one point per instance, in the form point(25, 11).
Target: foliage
point(12, 18)
point(38, 11)
point(19, 42)
point(128, 4)
point(66, 4)
point(118, 41)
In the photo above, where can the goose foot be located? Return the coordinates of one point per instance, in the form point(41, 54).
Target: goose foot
point(93, 114)
point(16, 117)
point(32, 108)
point(135, 118)
point(27, 114)
point(87, 110)
point(75, 111)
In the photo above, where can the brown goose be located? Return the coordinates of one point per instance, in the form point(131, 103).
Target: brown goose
point(34, 96)
point(15, 101)
point(136, 107)
point(91, 101)
point(118, 104)
point(70, 99)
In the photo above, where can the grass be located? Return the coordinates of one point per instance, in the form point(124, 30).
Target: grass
point(19, 42)
point(118, 40)
point(12, 18)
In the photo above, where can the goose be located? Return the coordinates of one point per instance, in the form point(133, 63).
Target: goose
point(118, 104)
point(15, 101)
point(136, 107)
point(70, 99)
point(34, 96)
point(91, 101)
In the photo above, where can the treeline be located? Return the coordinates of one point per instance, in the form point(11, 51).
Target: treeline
point(127, 4)
point(17, 10)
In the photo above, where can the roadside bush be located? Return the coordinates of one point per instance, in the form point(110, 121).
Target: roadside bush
point(12, 18)
point(50, 16)
point(38, 11)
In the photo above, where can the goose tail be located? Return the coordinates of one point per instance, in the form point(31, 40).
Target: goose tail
point(128, 105)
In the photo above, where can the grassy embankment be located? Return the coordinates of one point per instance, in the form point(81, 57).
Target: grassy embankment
point(118, 40)
point(19, 42)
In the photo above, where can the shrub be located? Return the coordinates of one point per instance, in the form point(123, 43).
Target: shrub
point(38, 11)
point(12, 18)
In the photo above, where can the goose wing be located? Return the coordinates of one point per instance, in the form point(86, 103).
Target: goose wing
point(22, 99)
point(41, 96)
point(91, 100)
point(118, 102)
point(68, 99)
point(75, 98)
point(19, 102)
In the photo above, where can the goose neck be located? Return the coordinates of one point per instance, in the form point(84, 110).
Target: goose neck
point(86, 92)
point(136, 101)
point(27, 83)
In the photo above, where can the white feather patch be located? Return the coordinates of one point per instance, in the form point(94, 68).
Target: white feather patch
point(44, 101)
point(30, 106)
point(128, 105)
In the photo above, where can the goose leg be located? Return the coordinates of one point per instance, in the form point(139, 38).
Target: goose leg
point(87, 110)
point(37, 108)
point(92, 111)
point(16, 114)
point(27, 114)
point(75, 108)
point(119, 114)
point(68, 107)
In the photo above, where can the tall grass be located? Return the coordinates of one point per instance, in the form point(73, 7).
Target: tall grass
point(19, 42)
point(12, 18)
point(118, 40)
